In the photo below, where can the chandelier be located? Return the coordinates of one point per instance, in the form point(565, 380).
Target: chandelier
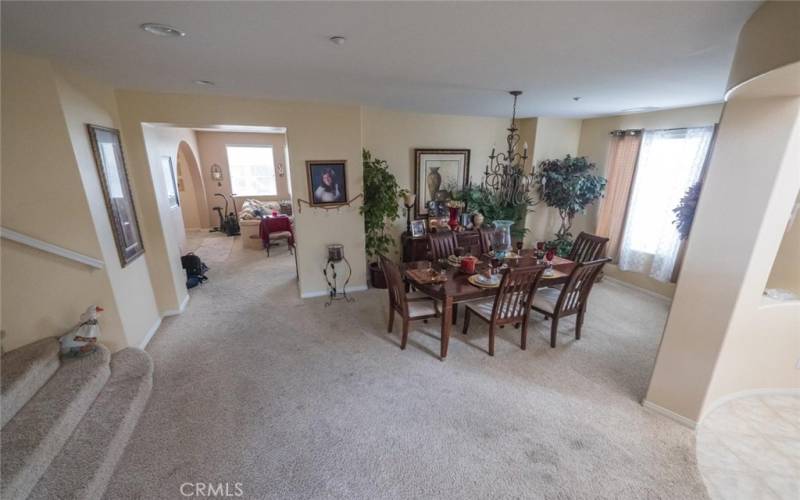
point(505, 173)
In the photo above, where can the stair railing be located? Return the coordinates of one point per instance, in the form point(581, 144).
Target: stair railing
point(44, 246)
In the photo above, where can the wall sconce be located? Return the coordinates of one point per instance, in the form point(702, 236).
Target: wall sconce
point(216, 174)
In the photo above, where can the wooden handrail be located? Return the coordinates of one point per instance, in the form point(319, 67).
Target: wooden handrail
point(12, 235)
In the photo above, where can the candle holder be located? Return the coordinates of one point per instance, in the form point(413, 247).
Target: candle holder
point(408, 201)
point(408, 217)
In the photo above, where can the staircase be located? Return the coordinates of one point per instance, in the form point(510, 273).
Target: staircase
point(65, 423)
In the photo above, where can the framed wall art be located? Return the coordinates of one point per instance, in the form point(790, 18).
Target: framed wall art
point(327, 182)
point(107, 149)
point(435, 172)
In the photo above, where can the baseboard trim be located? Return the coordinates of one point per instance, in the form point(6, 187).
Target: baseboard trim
point(175, 312)
point(686, 422)
point(324, 293)
point(746, 394)
point(153, 330)
point(637, 288)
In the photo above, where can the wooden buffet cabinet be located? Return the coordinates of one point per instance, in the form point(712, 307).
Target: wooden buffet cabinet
point(416, 247)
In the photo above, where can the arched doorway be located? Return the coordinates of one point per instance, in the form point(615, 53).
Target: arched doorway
point(194, 205)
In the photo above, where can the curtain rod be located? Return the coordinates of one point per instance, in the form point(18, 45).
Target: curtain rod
point(630, 131)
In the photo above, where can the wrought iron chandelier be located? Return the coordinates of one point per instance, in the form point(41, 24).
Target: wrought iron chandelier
point(505, 173)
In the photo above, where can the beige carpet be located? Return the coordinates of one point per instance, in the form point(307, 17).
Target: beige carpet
point(295, 400)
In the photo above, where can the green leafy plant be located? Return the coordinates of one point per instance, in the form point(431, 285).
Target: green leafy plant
point(380, 205)
point(569, 186)
point(684, 212)
point(478, 199)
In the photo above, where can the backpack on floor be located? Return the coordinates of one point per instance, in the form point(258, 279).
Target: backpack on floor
point(195, 270)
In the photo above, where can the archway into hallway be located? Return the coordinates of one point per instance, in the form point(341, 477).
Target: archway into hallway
point(194, 204)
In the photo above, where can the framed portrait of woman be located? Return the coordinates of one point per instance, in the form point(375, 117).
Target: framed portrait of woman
point(107, 149)
point(327, 182)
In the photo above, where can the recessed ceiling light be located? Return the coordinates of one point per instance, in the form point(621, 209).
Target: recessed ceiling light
point(337, 40)
point(576, 99)
point(204, 83)
point(162, 29)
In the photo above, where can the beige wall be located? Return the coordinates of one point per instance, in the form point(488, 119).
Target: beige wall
point(785, 271)
point(393, 136)
point(718, 338)
point(47, 152)
point(85, 101)
point(160, 142)
point(211, 146)
point(594, 142)
point(314, 132)
point(770, 39)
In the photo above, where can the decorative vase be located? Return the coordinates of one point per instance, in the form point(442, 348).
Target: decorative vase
point(453, 222)
point(501, 239)
point(433, 181)
point(477, 220)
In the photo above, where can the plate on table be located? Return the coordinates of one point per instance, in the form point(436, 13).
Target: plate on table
point(482, 281)
point(509, 255)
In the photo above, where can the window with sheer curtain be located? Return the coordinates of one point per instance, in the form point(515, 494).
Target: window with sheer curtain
point(252, 170)
point(670, 161)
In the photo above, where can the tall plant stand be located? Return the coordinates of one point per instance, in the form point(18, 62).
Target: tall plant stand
point(331, 276)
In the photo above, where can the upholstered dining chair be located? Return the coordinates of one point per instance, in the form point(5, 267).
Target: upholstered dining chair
point(486, 234)
point(442, 244)
point(571, 298)
point(409, 308)
point(587, 247)
point(511, 304)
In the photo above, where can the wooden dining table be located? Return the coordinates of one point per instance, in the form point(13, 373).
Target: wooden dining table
point(457, 288)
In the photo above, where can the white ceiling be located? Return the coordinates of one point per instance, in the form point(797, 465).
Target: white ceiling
point(433, 57)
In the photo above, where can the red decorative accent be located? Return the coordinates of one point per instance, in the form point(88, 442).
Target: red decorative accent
point(453, 222)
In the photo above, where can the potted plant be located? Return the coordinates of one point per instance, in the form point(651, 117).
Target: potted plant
point(569, 186)
point(380, 207)
point(684, 212)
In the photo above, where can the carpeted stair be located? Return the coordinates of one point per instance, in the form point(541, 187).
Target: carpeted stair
point(66, 438)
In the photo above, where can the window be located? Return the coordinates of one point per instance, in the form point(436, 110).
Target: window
point(670, 161)
point(252, 170)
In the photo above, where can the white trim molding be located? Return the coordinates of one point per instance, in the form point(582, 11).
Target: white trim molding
point(686, 422)
point(324, 293)
point(44, 246)
point(618, 281)
point(150, 333)
point(175, 312)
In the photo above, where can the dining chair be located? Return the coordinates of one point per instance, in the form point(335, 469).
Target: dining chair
point(486, 234)
point(587, 247)
point(511, 304)
point(571, 298)
point(442, 244)
point(409, 308)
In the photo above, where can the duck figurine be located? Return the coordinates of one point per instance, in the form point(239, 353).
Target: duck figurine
point(82, 339)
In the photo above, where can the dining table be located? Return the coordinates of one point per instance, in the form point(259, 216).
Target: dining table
point(456, 287)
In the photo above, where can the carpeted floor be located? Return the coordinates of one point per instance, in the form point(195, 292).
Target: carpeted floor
point(294, 400)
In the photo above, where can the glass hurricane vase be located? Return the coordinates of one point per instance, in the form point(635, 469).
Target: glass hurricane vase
point(501, 239)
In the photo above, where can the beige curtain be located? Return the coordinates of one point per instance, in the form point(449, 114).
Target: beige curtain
point(620, 167)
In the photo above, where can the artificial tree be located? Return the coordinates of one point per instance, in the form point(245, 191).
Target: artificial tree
point(569, 186)
point(380, 207)
point(482, 200)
